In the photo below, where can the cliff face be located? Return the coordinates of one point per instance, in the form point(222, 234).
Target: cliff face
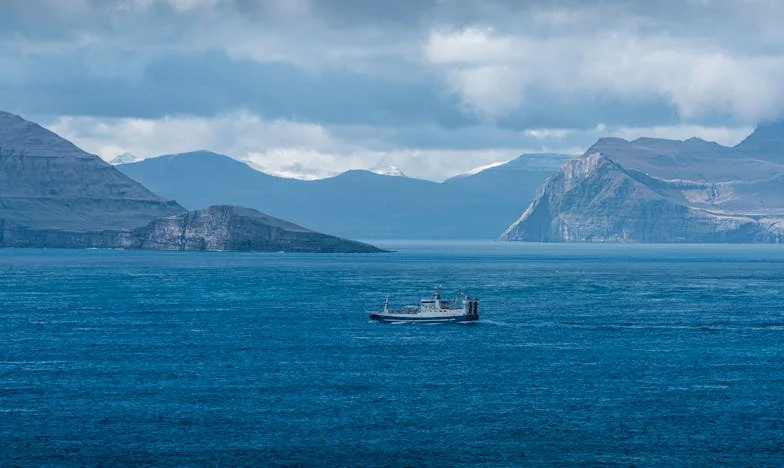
point(217, 228)
point(658, 191)
point(14, 235)
point(234, 228)
point(48, 184)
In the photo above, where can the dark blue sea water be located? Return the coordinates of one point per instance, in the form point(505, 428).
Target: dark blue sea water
point(635, 355)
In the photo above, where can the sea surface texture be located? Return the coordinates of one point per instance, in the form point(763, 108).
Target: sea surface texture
point(627, 354)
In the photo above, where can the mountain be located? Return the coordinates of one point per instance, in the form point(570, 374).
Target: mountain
point(47, 183)
point(520, 172)
point(656, 190)
point(124, 158)
point(52, 194)
point(239, 229)
point(290, 171)
point(388, 171)
point(766, 142)
point(355, 204)
point(479, 169)
point(527, 163)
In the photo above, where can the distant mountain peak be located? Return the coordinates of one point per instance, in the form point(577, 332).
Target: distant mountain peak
point(608, 145)
point(479, 169)
point(670, 144)
point(549, 161)
point(766, 139)
point(195, 154)
point(654, 141)
point(389, 171)
point(355, 173)
point(200, 157)
point(125, 158)
point(611, 139)
point(18, 135)
point(695, 140)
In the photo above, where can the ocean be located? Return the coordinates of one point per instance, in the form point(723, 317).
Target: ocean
point(584, 354)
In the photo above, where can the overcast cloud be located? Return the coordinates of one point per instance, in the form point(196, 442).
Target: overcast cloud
point(311, 88)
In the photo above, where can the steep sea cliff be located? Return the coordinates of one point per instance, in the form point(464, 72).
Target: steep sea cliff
point(651, 190)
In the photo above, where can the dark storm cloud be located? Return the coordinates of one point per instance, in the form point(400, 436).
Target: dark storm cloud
point(430, 74)
point(353, 61)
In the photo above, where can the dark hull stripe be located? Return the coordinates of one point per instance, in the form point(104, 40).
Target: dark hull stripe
point(388, 319)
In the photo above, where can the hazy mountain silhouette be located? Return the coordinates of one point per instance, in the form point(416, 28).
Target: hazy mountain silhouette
point(357, 204)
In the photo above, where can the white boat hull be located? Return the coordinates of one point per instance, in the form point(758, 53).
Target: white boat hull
point(433, 310)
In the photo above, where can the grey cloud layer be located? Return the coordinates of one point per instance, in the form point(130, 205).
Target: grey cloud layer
point(429, 75)
point(453, 63)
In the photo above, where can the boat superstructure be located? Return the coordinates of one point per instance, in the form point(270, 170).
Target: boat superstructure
point(463, 308)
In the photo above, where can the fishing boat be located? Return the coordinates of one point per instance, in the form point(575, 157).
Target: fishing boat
point(463, 308)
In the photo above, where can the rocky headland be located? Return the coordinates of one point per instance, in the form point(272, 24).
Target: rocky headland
point(655, 190)
point(236, 228)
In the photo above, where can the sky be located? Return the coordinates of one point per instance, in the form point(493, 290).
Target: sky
point(311, 88)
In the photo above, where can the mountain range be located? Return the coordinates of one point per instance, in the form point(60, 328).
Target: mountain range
point(53, 194)
point(657, 190)
point(356, 204)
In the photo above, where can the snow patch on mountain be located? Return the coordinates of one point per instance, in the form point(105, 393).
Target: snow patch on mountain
point(388, 171)
point(292, 171)
point(479, 169)
point(125, 158)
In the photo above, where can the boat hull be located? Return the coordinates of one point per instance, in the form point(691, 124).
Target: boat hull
point(390, 318)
